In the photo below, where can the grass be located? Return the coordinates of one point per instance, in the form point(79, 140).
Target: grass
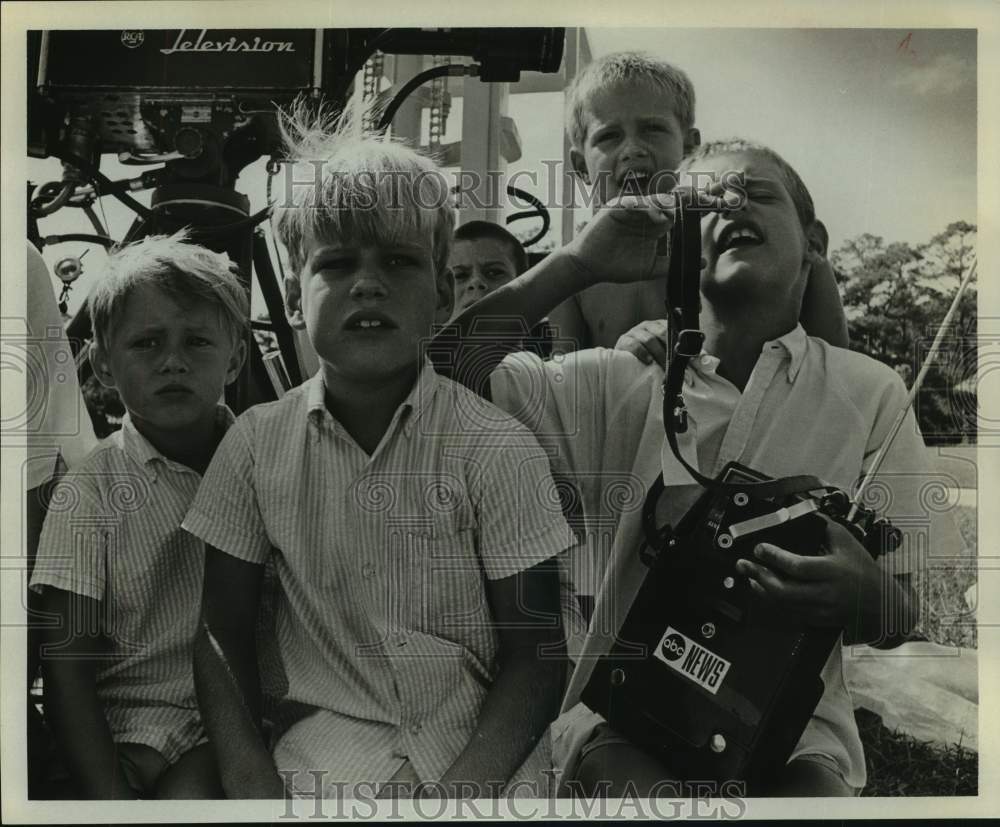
point(945, 617)
point(899, 765)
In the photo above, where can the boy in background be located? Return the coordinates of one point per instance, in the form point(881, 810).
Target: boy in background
point(418, 609)
point(630, 120)
point(485, 256)
point(113, 565)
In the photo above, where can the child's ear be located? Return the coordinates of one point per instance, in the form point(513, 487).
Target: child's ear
point(692, 139)
point(102, 368)
point(293, 303)
point(445, 297)
point(579, 164)
point(236, 360)
point(817, 238)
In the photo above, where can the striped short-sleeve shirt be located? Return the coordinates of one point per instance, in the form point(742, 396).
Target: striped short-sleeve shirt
point(381, 615)
point(113, 533)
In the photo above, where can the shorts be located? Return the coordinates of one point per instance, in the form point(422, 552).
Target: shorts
point(581, 733)
point(142, 765)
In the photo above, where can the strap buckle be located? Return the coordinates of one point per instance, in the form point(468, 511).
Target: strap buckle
point(689, 342)
point(680, 415)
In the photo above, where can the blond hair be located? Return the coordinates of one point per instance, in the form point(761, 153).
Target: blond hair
point(352, 184)
point(186, 271)
point(626, 67)
point(796, 188)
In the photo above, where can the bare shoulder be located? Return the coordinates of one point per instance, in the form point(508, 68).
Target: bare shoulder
point(613, 309)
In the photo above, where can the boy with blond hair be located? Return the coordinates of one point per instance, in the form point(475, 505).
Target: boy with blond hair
point(412, 526)
point(114, 567)
point(630, 121)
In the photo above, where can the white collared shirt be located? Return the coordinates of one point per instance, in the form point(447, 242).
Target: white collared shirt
point(808, 408)
point(113, 533)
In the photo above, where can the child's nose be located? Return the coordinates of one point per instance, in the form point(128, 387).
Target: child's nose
point(633, 147)
point(477, 282)
point(369, 286)
point(174, 362)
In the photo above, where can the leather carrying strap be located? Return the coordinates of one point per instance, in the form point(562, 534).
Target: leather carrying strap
point(683, 300)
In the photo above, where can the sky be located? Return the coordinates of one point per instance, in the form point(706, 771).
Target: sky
point(880, 124)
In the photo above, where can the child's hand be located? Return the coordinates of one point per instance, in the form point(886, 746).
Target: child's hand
point(843, 587)
point(620, 244)
point(647, 341)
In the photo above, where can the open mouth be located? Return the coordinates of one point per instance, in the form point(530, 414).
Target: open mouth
point(368, 321)
point(635, 182)
point(739, 234)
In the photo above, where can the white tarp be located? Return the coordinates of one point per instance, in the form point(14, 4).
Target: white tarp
point(922, 689)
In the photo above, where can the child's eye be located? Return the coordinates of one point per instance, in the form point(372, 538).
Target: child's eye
point(200, 341)
point(402, 260)
point(145, 343)
point(341, 263)
point(461, 275)
point(494, 274)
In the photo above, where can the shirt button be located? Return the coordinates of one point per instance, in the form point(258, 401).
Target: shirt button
point(368, 569)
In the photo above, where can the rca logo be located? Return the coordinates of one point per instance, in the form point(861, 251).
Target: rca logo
point(132, 39)
point(692, 660)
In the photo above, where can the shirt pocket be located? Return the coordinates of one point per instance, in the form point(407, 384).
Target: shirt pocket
point(446, 583)
point(130, 593)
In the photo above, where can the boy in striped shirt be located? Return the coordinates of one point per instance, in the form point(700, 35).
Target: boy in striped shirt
point(413, 527)
point(114, 567)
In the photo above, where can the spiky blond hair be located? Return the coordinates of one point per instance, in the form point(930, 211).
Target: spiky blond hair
point(348, 183)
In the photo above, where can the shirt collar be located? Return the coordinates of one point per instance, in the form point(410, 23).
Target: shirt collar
point(794, 344)
point(409, 411)
point(141, 451)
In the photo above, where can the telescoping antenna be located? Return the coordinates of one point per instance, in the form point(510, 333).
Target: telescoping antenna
point(931, 354)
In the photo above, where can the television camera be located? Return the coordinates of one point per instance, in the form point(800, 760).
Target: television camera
point(190, 108)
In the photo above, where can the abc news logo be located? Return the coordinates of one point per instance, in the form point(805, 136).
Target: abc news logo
point(673, 647)
point(692, 660)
